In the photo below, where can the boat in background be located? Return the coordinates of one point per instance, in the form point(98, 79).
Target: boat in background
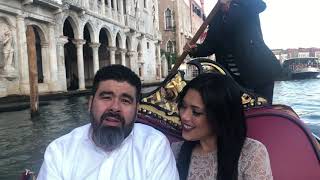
point(301, 68)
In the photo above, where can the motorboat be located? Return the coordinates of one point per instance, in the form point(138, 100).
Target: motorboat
point(301, 68)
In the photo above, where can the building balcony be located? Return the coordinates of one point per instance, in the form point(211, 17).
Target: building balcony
point(54, 4)
point(77, 4)
point(131, 22)
point(141, 26)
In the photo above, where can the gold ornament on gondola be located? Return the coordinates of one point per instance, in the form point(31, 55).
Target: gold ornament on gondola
point(166, 96)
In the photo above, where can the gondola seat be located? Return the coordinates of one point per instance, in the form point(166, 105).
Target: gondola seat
point(293, 150)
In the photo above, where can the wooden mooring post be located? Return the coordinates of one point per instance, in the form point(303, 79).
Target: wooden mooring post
point(33, 71)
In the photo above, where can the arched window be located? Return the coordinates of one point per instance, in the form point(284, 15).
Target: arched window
point(170, 47)
point(168, 19)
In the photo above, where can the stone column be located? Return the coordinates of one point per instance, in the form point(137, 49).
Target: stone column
point(131, 64)
point(112, 51)
point(95, 53)
point(164, 66)
point(140, 66)
point(85, 4)
point(3, 87)
point(22, 55)
point(121, 12)
point(178, 27)
point(79, 44)
point(115, 13)
point(156, 16)
point(94, 6)
point(115, 3)
point(110, 9)
point(141, 70)
point(103, 7)
point(53, 84)
point(123, 57)
point(45, 62)
point(140, 60)
point(158, 61)
point(61, 63)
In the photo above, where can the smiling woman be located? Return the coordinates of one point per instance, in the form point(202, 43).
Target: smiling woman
point(193, 116)
point(214, 130)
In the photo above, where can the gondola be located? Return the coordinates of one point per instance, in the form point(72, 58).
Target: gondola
point(294, 151)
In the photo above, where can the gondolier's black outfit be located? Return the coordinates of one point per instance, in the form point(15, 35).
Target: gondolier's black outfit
point(235, 38)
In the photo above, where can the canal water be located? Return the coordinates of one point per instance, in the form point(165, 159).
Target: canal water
point(304, 97)
point(23, 140)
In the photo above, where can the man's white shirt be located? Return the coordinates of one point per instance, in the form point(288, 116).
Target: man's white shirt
point(144, 155)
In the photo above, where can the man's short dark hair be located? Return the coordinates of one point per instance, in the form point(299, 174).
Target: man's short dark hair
point(118, 73)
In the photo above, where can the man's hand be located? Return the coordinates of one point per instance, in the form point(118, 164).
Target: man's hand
point(188, 47)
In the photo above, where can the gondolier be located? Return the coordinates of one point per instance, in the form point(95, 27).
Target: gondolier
point(235, 37)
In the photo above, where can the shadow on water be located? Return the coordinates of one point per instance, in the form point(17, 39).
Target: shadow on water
point(24, 139)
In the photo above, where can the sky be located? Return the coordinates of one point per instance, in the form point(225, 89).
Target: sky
point(288, 23)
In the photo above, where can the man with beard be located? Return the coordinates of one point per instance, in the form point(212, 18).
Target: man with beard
point(113, 146)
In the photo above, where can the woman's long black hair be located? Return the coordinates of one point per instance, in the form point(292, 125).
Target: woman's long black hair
point(222, 99)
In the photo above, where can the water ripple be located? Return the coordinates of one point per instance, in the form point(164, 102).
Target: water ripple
point(304, 98)
point(23, 140)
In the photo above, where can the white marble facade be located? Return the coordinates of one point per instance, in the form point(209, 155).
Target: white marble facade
point(74, 38)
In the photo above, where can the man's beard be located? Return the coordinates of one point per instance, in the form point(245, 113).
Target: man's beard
point(109, 137)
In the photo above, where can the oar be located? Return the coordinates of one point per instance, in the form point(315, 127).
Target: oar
point(194, 40)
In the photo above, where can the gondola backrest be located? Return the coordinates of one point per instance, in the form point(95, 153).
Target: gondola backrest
point(294, 152)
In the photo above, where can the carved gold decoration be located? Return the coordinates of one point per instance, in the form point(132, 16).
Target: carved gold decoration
point(166, 96)
point(162, 106)
point(149, 109)
point(209, 67)
point(249, 101)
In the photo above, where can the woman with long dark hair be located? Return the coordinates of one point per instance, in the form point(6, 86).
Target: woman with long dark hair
point(214, 129)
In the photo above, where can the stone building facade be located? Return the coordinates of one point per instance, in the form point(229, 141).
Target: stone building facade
point(284, 54)
point(74, 38)
point(179, 20)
